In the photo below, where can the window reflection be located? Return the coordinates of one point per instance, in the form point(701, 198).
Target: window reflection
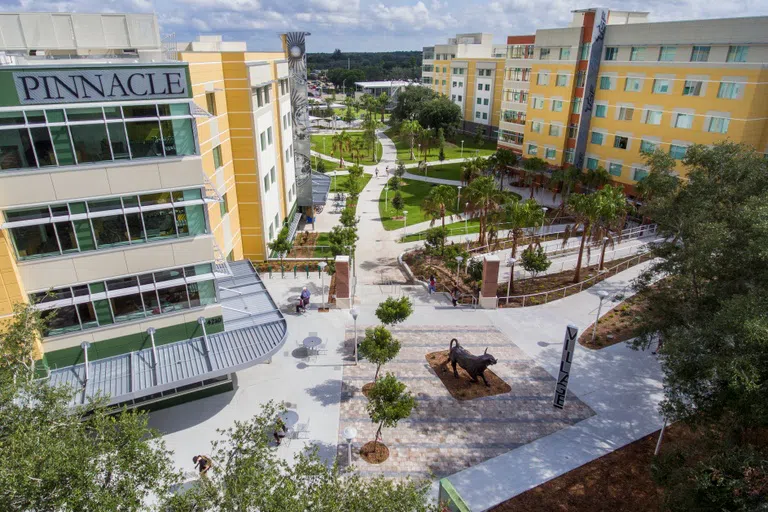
point(110, 231)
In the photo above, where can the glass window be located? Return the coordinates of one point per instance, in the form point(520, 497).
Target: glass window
point(532, 149)
point(179, 109)
point(11, 118)
point(565, 53)
point(584, 51)
point(135, 227)
point(103, 312)
point(61, 320)
point(217, 160)
point(611, 53)
point(614, 169)
point(729, 90)
point(647, 146)
point(543, 53)
point(692, 88)
point(620, 142)
point(561, 80)
point(118, 140)
point(144, 138)
point(661, 86)
point(84, 235)
point(173, 298)
point(550, 153)
point(91, 143)
point(121, 283)
point(16, 149)
point(677, 152)
point(87, 315)
point(576, 106)
point(210, 102)
point(55, 116)
point(597, 138)
point(542, 79)
point(718, 124)
point(626, 113)
point(28, 214)
point(272, 175)
point(554, 130)
point(35, 241)
point(633, 84)
point(637, 53)
point(178, 137)
point(160, 223)
point(479, 101)
point(131, 111)
point(263, 140)
point(127, 307)
point(601, 110)
point(169, 275)
point(97, 287)
point(652, 117)
point(151, 304)
point(737, 54)
point(43, 146)
point(67, 239)
point(667, 53)
point(269, 135)
point(190, 220)
point(202, 293)
point(110, 231)
point(605, 83)
point(683, 121)
point(85, 114)
point(113, 113)
point(592, 163)
point(557, 105)
point(62, 144)
point(700, 54)
point(639, 174)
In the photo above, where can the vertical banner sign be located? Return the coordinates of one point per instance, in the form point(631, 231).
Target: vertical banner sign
point(590, 84)
point(569, 344)
point(294, 46)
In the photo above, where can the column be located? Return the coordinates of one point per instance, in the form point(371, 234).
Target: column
point(343, 300)
point(488, 290)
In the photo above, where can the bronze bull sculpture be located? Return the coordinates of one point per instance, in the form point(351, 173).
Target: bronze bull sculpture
point(474, 365)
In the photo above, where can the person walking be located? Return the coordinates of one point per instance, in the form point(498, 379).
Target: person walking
point(303, 301)
point(455, 296)
point(432, 285)
point(376, 172)
point(202, 463)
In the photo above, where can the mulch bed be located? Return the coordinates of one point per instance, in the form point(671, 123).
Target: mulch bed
point(304, 245)
point(552, 282)
point(618, 325)
point(374, 453)
point(367, 388)
point(463, 388)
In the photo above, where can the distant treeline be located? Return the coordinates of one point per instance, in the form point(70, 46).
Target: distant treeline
point(366, 66)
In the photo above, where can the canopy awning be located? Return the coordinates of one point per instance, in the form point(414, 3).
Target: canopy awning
point(254, 330)
point(321, 185)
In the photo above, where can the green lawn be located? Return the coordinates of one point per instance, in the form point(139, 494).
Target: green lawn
point(322, 252)
point(413, 193)
point(317, 145)
point(444, 171)
point(452, 148)
point(339, 183)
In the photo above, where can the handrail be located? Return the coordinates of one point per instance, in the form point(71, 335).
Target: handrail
point(557, 292)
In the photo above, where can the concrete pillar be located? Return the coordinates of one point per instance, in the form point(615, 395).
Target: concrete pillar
point(488, 289)
point(343, 295)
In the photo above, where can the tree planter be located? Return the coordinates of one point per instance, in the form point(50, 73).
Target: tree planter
point(367, 388)
point(374, 452)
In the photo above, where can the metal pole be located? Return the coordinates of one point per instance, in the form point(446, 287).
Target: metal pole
point(597, 318)
point(355, 340)
point(322, 287)
point(661, 434)
point(85, 346)
point(349, 453)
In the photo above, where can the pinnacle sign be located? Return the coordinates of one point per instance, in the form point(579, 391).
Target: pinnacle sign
point(569, 344)
point(93, 85)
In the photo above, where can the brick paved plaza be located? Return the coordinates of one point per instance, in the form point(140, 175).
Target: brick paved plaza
point(444, 435)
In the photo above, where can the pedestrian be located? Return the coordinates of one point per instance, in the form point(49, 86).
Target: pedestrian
point(303, 300)
point(432, 285)
point(376, 172)
point(387, 170)
point(280, 431)
point(455, 296)
point(202, 463)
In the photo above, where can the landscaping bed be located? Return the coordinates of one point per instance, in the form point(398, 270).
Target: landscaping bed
point(310, 244)
point(619, 323)
point(451, 151)
point(317, 145)
point(463, 388)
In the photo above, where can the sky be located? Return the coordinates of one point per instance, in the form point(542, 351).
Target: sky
point(375, 25)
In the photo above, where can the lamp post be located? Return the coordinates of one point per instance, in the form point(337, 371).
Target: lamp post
point(322, 266)
point(349, 435)
point(419, 148)
point(603, 295)
point(85, 346)
point(459, 259)
point(511, 264)
point(354, 314)
point(544, 218)
point(458, 198)
point(467, 239)
point(466, 226)
point(462, 149)
point(405, 222)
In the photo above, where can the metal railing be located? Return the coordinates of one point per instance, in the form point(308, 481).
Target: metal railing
point(473, 230)
point(561, 293)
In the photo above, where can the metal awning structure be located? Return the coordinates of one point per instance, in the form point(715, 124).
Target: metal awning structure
point(255, 329)
point(321, 185)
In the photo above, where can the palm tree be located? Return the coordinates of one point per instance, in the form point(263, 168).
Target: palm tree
point(483, 198)
point(410, 130)
point(369, 134)
point(382, 101)
point(596, 178)
point(473, 168)
point(502, 161)
point(341, 142)
point(597, 214)
point(357, 147)
point(535, 167)
point(426, 140)
point(521, 214)
point(437, 202)
point(563, 181)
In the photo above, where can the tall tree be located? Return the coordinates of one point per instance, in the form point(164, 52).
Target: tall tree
point(437, 202)
point(438, 113)
point(410, 129)
point(534, 168)
point(379, 347)
point(410, 101)
point(597, 215)
point(596, 179)
point(341, 142)
point(483, 198)
point(502, 161)
point(281, 245)
point(382, 101)
point(563, 181)
point(389, 402)
point(473, 168)
point(519, 215)
point(369, 135)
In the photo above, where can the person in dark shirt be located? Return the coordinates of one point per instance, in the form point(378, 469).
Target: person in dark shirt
point(202, 463)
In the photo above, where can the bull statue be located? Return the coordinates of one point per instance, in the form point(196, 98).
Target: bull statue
point(474, 365)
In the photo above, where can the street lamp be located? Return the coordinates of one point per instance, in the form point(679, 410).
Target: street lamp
point(459, 259)
point(354, 314)
point(466, 227)
point(468, 239)
point(602, 254)
point(85, 346)
point(511, 264)
point(349, 435)
point(458, 198)
point(462, 149)
point(544, 218)
point(322, 266)
point(405, 222)
point(603, 295)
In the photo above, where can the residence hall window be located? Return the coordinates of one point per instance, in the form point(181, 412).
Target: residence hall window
point(210, 103)
point(102, 303)
point(84, 135)
point(81, 226)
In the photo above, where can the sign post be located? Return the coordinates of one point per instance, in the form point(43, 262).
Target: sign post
point(569, 344)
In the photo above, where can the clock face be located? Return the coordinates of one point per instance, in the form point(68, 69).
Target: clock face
point(295, 51)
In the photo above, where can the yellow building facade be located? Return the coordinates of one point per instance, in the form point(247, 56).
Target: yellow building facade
point(613, 86)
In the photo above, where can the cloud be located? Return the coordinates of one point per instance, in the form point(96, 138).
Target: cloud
point(411, 18)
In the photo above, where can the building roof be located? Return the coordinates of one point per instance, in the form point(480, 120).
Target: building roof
point(321, 185)
point(385, 83)
point(254, 329)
